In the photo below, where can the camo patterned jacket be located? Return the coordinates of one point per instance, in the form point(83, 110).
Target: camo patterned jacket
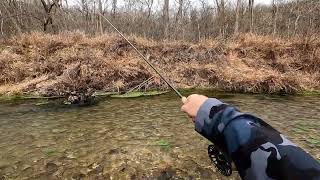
point(258, 150)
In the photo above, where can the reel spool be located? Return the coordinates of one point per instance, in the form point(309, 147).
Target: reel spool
point(221, 161)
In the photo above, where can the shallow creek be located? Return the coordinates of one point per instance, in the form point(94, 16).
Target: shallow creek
point(139, 138)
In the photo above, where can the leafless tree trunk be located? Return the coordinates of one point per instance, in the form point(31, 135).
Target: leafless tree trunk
point(274, 17)
point(94, 17)
point(296, 23)
point(14, 22)
point(221, 16)
point(48, 6)
point(251, 4)
point(149, 5)
point(166, 18)
point(298, 16)
point(179, 14)
point(1, 23)
point(199, 33)
point(114, 8)
point(18, 11)
point(100, 18)
point(85, 11)
point(236, 24)
point(288, 27)
point(67, 4)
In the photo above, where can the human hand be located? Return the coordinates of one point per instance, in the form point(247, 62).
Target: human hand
point(192, 105)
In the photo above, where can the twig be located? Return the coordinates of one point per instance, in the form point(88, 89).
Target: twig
point(140, 85)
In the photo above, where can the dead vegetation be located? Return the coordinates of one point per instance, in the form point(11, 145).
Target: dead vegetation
point(54, 65)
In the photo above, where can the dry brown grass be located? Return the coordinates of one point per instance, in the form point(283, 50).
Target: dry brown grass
point(75, 62)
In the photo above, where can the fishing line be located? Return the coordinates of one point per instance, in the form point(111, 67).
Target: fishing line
point(184, 99)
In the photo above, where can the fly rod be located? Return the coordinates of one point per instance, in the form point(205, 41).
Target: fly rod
point(184, 99)
point(224, 164)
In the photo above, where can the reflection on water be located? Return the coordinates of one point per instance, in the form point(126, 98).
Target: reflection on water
point(144, 138)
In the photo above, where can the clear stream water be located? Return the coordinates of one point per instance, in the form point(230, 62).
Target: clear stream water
point(140, 138)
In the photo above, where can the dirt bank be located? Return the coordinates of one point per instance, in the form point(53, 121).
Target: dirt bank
point(54, 65)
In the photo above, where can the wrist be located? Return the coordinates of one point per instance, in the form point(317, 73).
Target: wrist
point(204, 113)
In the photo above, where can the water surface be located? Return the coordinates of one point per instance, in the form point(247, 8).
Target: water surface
point(142, 138)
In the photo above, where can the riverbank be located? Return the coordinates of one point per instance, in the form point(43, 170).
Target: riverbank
point(58, 65)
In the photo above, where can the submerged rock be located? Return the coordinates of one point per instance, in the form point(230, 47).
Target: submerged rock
point(78, 176)
point(51, 167)
point(6, 170)
point(166, 175)
point(114, 151)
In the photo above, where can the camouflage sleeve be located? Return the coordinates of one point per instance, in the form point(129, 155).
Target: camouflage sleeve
point(258, 150)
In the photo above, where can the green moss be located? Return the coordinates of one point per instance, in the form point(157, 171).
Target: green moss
point(48, 151)
point(103, 93)
point(310, 93)
point(129, 95)
point(139, 94)
point(313, 141)
point(303, 126)
point(25, 97)
point(155, 93)
point(298, 130)
point(164, 144)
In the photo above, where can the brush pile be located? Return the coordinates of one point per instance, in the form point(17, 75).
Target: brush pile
point(55, 65)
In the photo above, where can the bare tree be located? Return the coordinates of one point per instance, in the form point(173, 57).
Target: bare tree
point(1, 23)
point(221, 16)
point(114, 8)
point(166, 18)
point(149, 5)
point(179, 14)
point(236, 24)
point(12, 19)
point(251, 4)
point(274, 17)
point(195, 27)
point(48, 7)
point(67, 4)
point(100, 18)
point(86, 13)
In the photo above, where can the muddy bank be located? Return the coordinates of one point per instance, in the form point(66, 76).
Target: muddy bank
point(59, 65)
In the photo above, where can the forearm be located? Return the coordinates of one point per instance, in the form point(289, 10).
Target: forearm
point(257, 149)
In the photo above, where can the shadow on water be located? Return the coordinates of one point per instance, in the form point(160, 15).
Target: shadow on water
point(132, 138)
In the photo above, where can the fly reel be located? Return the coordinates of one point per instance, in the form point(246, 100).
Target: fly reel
point(221, 161)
